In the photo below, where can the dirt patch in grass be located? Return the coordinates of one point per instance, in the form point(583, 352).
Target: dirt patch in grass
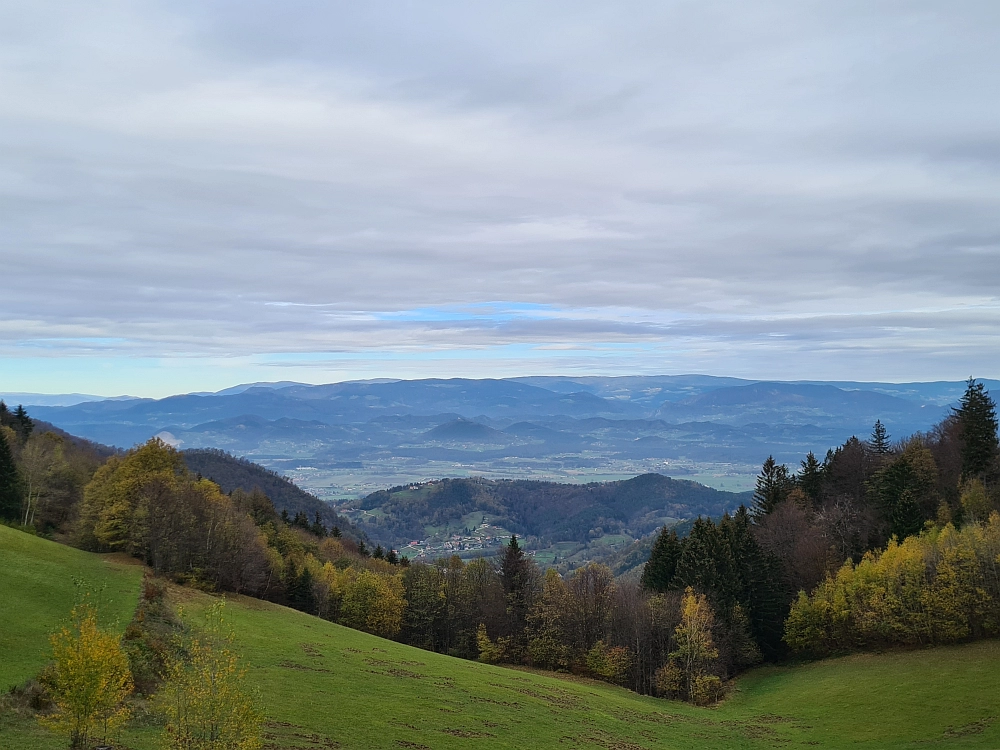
point(468, 733)
point(967, 730)
point(282, 735)
point(505, 704)
point(399, 672)
point(604, 740)
point(286, 664)
point(311, 650)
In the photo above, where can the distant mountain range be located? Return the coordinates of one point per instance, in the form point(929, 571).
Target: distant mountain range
point(545, 426)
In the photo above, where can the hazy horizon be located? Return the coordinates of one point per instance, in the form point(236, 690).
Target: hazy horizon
point(59, 398)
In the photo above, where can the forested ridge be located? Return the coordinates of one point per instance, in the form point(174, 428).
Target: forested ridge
point(234, 473)
point(882, 542)
point(546, 511)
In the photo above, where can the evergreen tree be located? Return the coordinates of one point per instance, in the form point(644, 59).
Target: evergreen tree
point(379, 553)
point(879, 442)
point(391, 557)
point(318, 527)
point(977, 418)
point(10, 481)
point(773, 486)
point(811, 478)
point(515, 576)
point(662, 564)
point(760, 591)
point(22, 424)
point(335, 532)
point(512, 565)
point(706, 562)
point(362, 549)
point(300, 589)
point(906, 490)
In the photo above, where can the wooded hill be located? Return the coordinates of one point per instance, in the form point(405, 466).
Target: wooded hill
point(234, 473)
point(548, 511)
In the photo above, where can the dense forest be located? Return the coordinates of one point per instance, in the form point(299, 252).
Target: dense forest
point(881, 543)
point(545, 511)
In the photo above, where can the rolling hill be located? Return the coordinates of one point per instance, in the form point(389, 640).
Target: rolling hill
point(550, 511)
point(230, 473)
point(325, 686)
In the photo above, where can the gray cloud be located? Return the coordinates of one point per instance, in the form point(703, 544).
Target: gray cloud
point(770, 186)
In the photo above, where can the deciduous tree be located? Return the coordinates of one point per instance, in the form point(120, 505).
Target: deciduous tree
point(208, 701)
point(89, 681)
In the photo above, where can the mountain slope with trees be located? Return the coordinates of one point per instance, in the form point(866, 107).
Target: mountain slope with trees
point(233, 473)
point(547, 511)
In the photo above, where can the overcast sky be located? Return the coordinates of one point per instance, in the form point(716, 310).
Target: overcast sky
point(197, 194)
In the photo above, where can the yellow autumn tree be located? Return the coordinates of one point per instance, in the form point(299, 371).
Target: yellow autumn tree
point(110, 499)
point(940, 586)
point(686, 674)
point(207, 701)
point(374, 603)
point(89, 682)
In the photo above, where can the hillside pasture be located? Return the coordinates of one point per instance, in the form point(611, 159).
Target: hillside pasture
point(325, 686)
point(39, 583)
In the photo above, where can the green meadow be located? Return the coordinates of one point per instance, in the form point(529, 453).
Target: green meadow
point(326, 686)
point(38, 587)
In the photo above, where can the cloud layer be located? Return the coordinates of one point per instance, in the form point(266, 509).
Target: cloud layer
point(775, 189)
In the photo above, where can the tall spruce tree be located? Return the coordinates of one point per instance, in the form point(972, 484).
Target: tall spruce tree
point(977, 419)
point(878, 444)
point(773, 486)
point(23, 424)
point(300, 589)
point(10, 482)
point(761, 592)
point(811, 478)
point(511, 564)
point(706, 562)
point(662, 564)
point(318, 527)
point(514, 572)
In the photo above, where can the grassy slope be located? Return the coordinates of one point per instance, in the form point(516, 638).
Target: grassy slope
point(326, 686)
point(37, 591)
point(366, 693)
